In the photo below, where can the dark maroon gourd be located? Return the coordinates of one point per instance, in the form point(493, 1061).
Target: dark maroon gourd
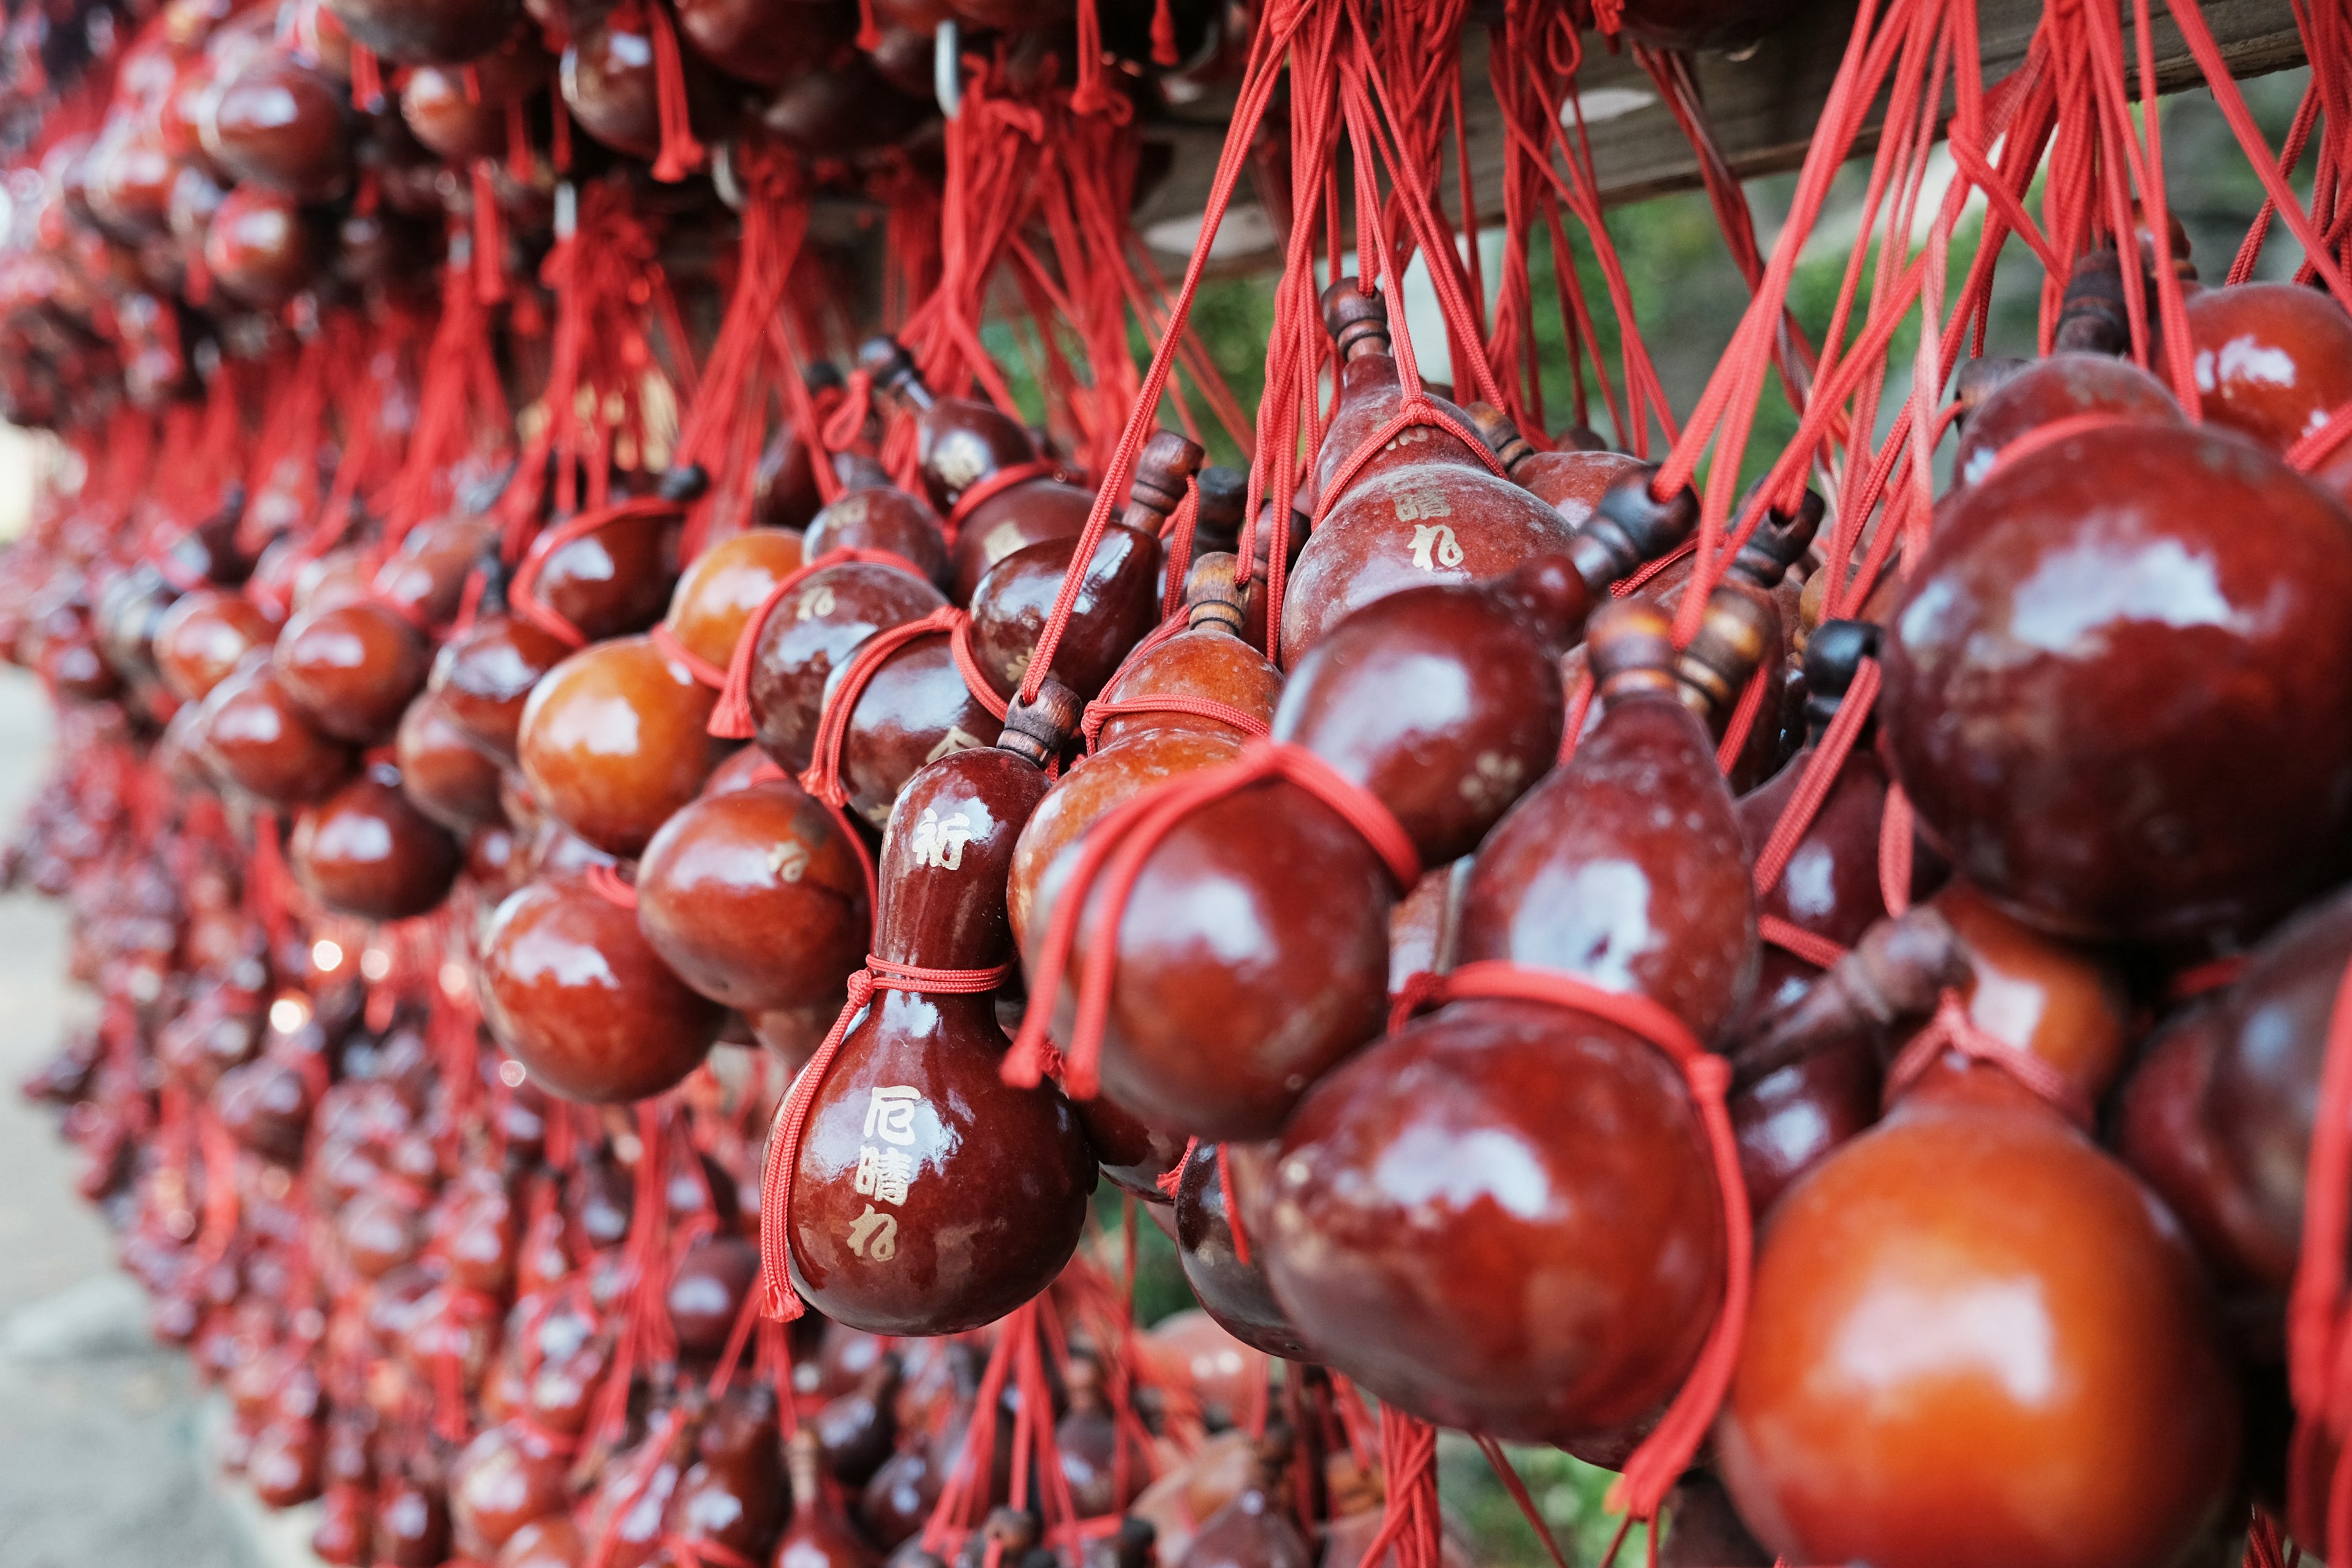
point(615, 738)
point(882, 516)
point(2063, 387)
point(484, 674)
point(1219, 1045)
point(282, 124)
point(509, 1475)
point(707, 1290)
point(1424, 509)
point(1233, 1293)
point(766, 41)
point(1088, 1440)
point(1788, 1118)
point(2272, 360)
point(262, 742)
point(856, 1430)
point(756, 898)
point(353, 666)
point(443, 773)
point(366, 850)
point(1570, 478)
point(1438, 1203)
point(609, 81)
point(960, 446)
point(459, 120)
point(611, 579)
point(428, 32)
point(810, 635)
point(732, 1498)
point(851, 108)
point(412, 1516)
point(930, 1196)
point(2199, 784)
point(201, 638)
point(575, 993)
point(1703, 23)
point(818, 1536)
point(260, 248)
point(2219, 1116)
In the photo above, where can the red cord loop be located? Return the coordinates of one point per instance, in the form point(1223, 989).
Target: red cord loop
point(989, 486)
point(1667, 1451)
point(1098, 713)
point(822, 777)
point(1416, 410)
point(731, 718)
point(522, 593)
point(1111, 857)
point(1953, 1030)
point(607, 883)
point(779, 1299)
point(704, 672)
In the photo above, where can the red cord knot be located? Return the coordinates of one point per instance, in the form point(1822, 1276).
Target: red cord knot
point(778, 1299)
point(1953, 1031)
point(1111, 859)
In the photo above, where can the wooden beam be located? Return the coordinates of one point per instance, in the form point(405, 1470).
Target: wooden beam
point(1763, 105)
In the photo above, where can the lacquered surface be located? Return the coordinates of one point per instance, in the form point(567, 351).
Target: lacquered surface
point(706, 1293)
point(2113, 704)
point(1625, 869)
point(1234, 1293)
point(1116, 605)
point(607, 76)
point(1133, 1155)
point(916, 708)
point(366, 850)
point(755, 898)
point(2063, 387)
point(1975, 1338)
point(576, 995)
point(281, 123)
point(2272, 360)
point(1573, 482)
point(764, 41)
point(881, 517)
point(813, 633)
point(1370, 395)
point(353, 667)
point(200, 639)
point(420, 31)
point(426, 581)
point(450, 779)
point(1404, 527)
point(1013, 518)
point(261, 743)
point(1206, 663)
point(614, 579)
point(1502, 1218)
point(614, 739)
point(459, 126)
point(717, 593)
point(506, 1477)
point(259, 247)
point(484, 674)
point(2061, 1003)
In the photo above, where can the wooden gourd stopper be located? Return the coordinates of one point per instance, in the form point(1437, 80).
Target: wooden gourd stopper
point(1630, 527)
point(1358, 321)
point(1978, 379)
point(684, 483)
point(1897, 970)
point(1224, 503)
point(1734, 633)
point(1631, 646)
point(1500, 434)
point(1213, 594)
point(892, 368)
point(1831, 660)
point(1166, 464)
point(2093, 317)
point(1779, 542)
point(1036, 732)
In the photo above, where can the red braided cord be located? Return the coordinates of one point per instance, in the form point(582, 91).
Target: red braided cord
point(1789, 937)
point(1098, 713)
point(1953, 1030)
point(731, 718)
point(1112, 857)
point(1895, 829)
point(680, 153)
point(2315, 446)
point(1416, 410)
point(1667, 1451)
point(778, 1299)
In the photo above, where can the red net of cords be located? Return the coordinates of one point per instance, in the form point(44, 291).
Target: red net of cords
point(784, 864)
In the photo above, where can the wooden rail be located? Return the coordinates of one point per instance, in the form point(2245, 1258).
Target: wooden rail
point(1763, 105)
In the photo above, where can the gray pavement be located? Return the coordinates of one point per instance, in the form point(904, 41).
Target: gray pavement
point(98, 1451)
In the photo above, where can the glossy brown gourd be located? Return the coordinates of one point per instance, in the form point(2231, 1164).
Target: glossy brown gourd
point(813, 633)
point(609, 77)
point(1087, 1439)
point(577, 995)
point(282, 124)
point(856, 1430)
point(428, 32)
point(1234, 1293)
point(1217, 1044)
point(734, 1498)
point(614, 739)
point(263, 743)
point(992, 1180)
point(260, 248)
point(960, 444)
point(849, 109)
point(707, 1290)
point(353, 666)
point(756, 898)
point(447, 777)
point(716, 593)
point(764, 41)
point(1788, 1118)
point(484, 674)
point(1951, 1316)
point(1442, 1279)
point(615, 578)
point(2272, 360)
point(784, 492)
point(412, 1518)
point(459, 122)
point(1255, 1529)
point(1424, 508)
point(818, 1536)
point(2063, 387)
point(424, 580)
point(1570, 479)
point(2200, 783)
point(508, 1475)
point(366, 850)
point(201, 638)
point(882, 516)
point(1758, 574)
point(2219, 1116)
